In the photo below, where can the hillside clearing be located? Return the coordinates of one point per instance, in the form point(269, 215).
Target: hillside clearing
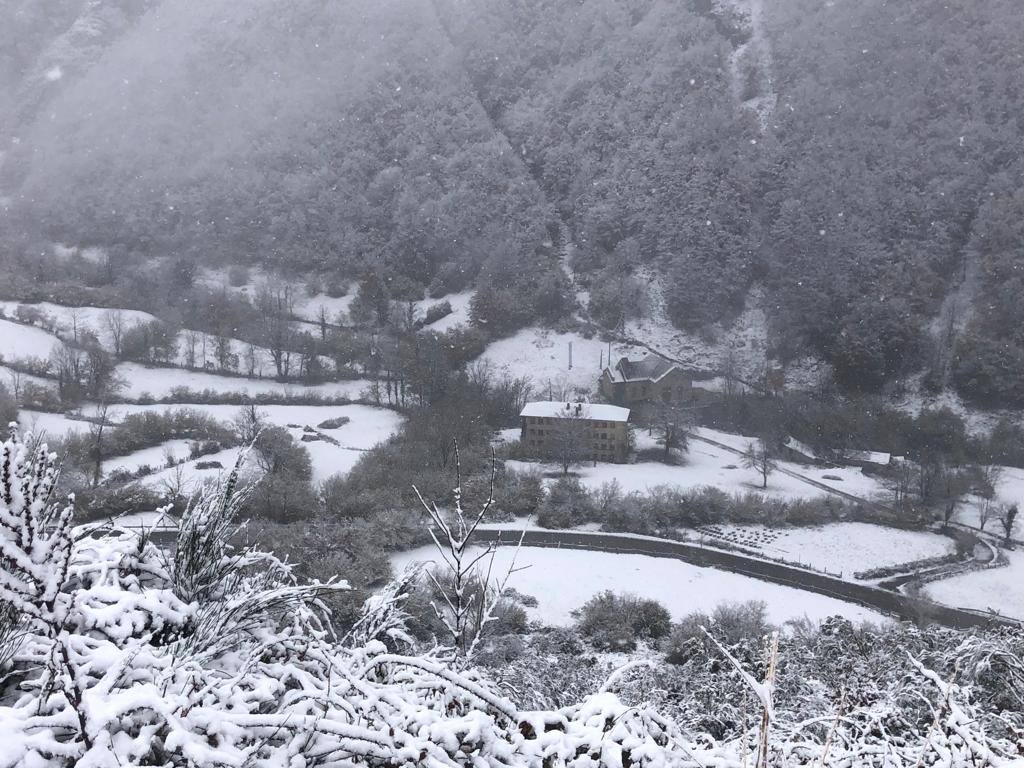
point(543, 356)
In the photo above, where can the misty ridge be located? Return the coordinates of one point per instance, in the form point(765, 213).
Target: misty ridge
point(511, 383)
point(857, 161)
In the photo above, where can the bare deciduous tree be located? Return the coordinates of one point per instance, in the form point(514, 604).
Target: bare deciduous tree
point(115, 323)
point(75, 316)
point(672, 420)
point(730, 371)
point(463, 612)
point(96, 430)
point(571, 438)
point(249, 422)
point(987, 509)
point(760, 457)
point(17, 383)
point(192, 339)
point(276, 306)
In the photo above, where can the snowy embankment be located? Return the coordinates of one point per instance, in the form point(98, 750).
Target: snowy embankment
point(159, 382)
point(20, 341)
point(50, 425)
point(13, 379)
point(216, 657)
point(995, 589)
point(682, 588)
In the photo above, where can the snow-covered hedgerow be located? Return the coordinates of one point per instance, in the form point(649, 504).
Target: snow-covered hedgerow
point(115, 653)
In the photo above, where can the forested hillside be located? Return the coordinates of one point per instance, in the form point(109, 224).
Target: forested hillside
point(859, 161)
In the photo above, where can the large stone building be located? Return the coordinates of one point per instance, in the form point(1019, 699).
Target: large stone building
point(570, 432)
point(639, 384)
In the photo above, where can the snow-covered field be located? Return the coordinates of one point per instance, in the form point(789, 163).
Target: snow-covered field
point(459, 315)
point(282, 415)
point(154, 457)
point(681, 587)
point(367, 427)
point(186, 478)
point(1009, 490)
point(93, 319)
point(336, 309)
point(158, 383)
point(18, 341)
point(999, 589)
point(839, 548)
point(198, 349)
point(50, 425)
point(543, 356)
point(710, 465)
point(849, 479)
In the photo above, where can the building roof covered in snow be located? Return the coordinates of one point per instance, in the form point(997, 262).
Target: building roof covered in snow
point(558, 409)
point(651, 368)
point(869, 457)
point(801, 448)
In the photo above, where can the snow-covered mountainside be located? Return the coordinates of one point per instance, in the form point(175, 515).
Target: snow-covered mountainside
point(768, 146)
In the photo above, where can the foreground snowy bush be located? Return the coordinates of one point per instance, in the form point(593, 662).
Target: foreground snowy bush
point(114, 653)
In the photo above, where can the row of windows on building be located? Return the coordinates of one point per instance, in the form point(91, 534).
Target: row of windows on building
point(560, 420)
point(549, 432)
point(608, 449)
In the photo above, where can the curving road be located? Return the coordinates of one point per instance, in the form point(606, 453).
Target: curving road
point(891, 603)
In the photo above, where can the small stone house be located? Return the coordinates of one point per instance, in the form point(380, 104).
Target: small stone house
point(639, 384)
point(600, 432)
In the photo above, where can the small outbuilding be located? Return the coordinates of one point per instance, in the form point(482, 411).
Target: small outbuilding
point(644, 383)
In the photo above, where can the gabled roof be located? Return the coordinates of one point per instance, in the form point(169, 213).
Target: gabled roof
point(651, 368)
point(558, 409)
point(868, 457)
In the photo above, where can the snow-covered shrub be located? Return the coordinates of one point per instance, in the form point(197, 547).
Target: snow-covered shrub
point(566, 505)
point(616, 622)
point(35, 540)
point(506, 616)
point(734, 624)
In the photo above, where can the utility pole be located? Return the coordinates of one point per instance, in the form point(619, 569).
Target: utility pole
point(570, 355)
